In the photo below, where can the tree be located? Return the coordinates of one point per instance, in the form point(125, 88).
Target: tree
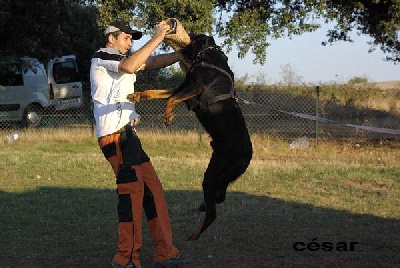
point(249, 24)
point(44, 29)
point(357, 80)
point(289, 76)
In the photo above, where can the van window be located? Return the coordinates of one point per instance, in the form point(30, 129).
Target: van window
point(65, 72)
point(10, 73)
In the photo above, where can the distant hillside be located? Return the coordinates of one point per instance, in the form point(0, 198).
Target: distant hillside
point(388, 84)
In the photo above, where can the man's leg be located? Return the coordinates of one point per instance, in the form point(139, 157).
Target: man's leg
point(120, 150)
point(130, 196)
point(156, 210)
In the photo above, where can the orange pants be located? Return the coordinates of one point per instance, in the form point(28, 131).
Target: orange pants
point(138, 188)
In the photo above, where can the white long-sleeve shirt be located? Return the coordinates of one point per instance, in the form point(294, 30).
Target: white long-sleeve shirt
point(109, 89)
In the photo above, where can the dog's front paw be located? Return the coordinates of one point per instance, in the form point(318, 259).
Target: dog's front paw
point(134, 97)
point(168, 119)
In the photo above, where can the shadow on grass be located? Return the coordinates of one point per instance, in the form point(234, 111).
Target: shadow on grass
point(63, 227)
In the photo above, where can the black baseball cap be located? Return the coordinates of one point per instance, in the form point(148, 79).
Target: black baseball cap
point(123, 27)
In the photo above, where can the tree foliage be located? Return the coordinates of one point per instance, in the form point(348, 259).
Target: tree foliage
point(251, 24)
point(45, 28)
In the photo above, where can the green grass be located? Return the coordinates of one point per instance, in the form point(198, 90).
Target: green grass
point(58, 202)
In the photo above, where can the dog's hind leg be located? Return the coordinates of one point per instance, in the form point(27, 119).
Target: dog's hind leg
point(209, 190)
point(217, 168)
point(219, 198)
point(227, 165)
point(215, 184)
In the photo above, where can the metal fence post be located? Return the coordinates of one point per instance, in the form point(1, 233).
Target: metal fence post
point(317, 114)
point(199, 131)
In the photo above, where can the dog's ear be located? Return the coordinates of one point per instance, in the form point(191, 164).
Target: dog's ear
point(198, 43)
point(209, 41)
point(204, 41)
point(194, 38)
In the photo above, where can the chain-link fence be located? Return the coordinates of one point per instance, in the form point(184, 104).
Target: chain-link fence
point(274, 113)
point(287, 115)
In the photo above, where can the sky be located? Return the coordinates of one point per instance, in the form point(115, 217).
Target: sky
point(314, 63)
point(317, 64)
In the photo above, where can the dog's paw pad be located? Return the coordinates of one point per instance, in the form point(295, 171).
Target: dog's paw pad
point(134, 97)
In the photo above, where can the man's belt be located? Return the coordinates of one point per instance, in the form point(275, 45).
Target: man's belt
point(130, 126)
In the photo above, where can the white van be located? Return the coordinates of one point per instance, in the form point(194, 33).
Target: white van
point(64, 82)
point(27, 89)
point(24, 90)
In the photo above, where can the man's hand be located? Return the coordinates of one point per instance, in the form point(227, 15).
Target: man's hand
point(161, 30)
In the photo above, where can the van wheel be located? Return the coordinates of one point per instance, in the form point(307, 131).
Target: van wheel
point(32, 116)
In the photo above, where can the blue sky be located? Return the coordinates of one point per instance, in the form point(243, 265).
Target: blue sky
point(314, 63)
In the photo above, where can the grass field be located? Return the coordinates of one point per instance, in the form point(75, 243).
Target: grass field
point(58, 203)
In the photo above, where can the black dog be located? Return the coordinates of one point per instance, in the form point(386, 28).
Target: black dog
point(208, 91)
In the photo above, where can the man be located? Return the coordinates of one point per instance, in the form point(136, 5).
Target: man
point(112, 77)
